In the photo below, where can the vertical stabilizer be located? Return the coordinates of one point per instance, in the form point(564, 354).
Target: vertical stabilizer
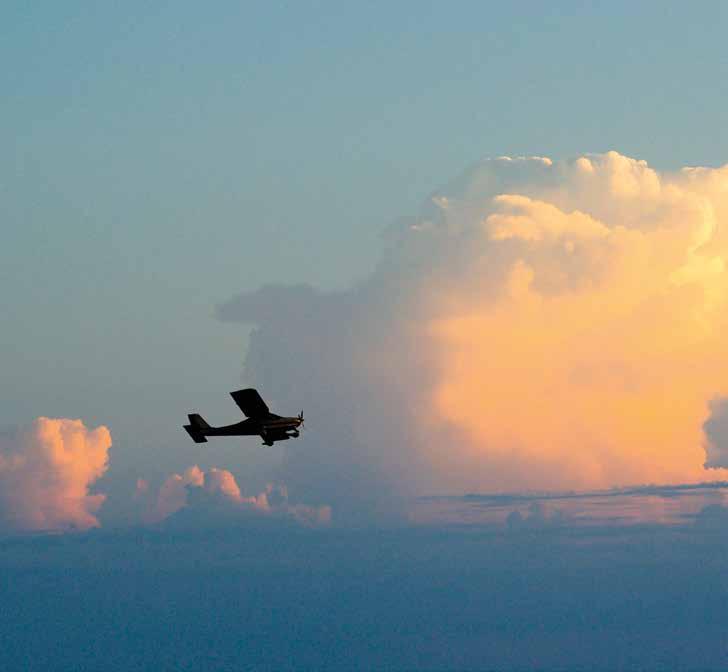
point(196, 428)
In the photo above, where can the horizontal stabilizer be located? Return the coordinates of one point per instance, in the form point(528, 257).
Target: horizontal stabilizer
point(195, 433)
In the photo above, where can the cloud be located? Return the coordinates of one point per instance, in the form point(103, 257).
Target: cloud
point(213, 497)
point(537, 516)
point(716, 433)
point(618, 507)
point(46, 472)
point(540, 325)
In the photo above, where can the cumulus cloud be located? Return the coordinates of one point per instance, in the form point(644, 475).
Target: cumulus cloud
point(539, 325)
point(716, 433)
point(46, 472)
point(214, 497)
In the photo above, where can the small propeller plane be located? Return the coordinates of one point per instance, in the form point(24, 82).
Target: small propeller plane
point(260, 421)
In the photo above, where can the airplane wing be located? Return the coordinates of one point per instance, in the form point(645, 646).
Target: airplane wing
point(250, 403)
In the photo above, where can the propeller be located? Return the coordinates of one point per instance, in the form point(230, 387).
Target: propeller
point(300, 417)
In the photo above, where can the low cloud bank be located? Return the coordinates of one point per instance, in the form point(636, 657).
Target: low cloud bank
point(46, 472)
point(644, 505)
point(540, 325)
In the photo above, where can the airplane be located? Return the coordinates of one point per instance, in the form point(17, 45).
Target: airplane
point(260, 421)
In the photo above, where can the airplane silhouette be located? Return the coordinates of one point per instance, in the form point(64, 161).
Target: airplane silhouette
point(260, 421)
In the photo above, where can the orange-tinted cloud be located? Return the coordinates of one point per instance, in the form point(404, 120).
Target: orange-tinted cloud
point(591, 356)
point(46, 472)
point(541, 325)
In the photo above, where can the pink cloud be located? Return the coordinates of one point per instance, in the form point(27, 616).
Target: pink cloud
point(218, 492)
point(46, 472)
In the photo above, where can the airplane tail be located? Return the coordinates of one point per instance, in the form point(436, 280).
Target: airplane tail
point(196, 428)
point(198, 421)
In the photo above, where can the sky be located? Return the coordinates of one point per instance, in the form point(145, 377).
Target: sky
point(482, 245)
point(163, 157)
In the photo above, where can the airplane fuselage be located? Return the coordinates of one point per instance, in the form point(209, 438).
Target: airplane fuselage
point(260, 421)
point(263, 427)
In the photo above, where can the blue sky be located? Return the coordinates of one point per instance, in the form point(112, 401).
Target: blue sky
point(161, 157)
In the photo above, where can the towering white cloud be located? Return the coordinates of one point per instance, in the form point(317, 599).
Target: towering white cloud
point(540, 325)
point(46, 472)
